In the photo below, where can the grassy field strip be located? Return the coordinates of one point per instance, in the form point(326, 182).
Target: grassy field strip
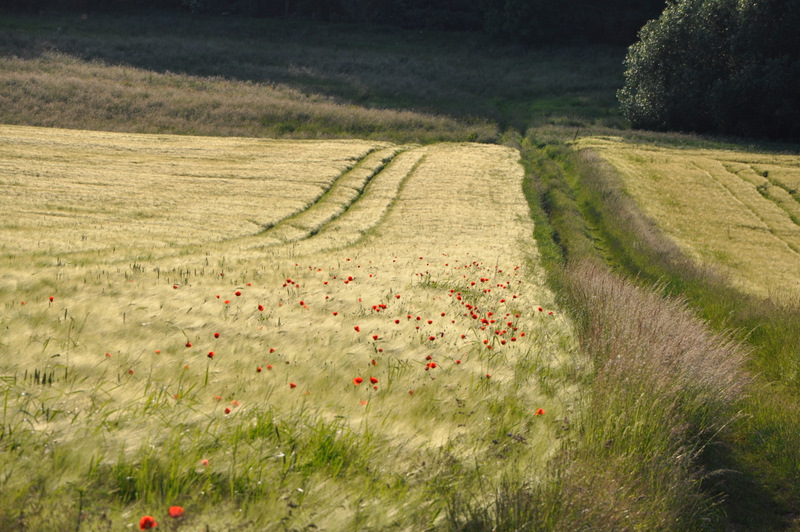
point(413, 353)
point(783, 194)
point(335, 200)
point(772, 217)
point(75, 192)
point(63, 90)
point(716, 206)
point(371, 208)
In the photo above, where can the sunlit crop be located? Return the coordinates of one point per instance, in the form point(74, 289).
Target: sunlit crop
point(737, 210)
point(264, 332)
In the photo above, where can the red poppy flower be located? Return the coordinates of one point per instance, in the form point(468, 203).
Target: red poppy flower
point(539, 412)
point(227, 410)
point(373, 380)
point(258, 369)
point(204, 462)
point(357, 328)
point(227, 301)
point(292, 385)
point(51, 299)
point(488, 376)
point(271, 349)
point(375, 337)
point(261, 308)
point(357, 381)
point(147, 522)
point(188, 344)
point(458, 362)
point(211, 354)
point(216, 335)
point(374, 362)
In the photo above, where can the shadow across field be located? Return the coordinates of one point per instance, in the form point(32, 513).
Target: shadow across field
point(459, 75)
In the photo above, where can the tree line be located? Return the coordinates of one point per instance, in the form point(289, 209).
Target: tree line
point(709, 66)
point(718, 66)
point(515, 21)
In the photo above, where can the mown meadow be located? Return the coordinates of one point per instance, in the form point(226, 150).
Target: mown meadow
point(290, 275)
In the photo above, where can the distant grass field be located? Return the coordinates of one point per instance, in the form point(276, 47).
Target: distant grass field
point(343, 335)
point(279, 78)
point(734, 210)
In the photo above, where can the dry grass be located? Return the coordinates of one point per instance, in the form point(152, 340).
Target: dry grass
point(57, 90)
point(279, 78)
point(664, 390)
point(75, 191)
point(111, 400)
point(736, 210)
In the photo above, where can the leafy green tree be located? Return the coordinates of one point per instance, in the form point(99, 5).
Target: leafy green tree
point(720, 66)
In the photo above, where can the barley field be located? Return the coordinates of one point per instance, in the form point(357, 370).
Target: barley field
point(270, 334)
point(734, 209)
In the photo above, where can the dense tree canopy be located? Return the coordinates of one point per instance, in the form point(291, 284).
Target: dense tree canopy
point(722, 66)
point(515, 21)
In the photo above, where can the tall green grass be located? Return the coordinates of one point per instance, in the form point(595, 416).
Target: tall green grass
point(757, 454)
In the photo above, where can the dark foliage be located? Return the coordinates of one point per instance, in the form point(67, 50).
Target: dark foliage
point(514, 21)
point(717, 66)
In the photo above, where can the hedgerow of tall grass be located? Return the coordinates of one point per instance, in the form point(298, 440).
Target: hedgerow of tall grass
point(604, 225)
